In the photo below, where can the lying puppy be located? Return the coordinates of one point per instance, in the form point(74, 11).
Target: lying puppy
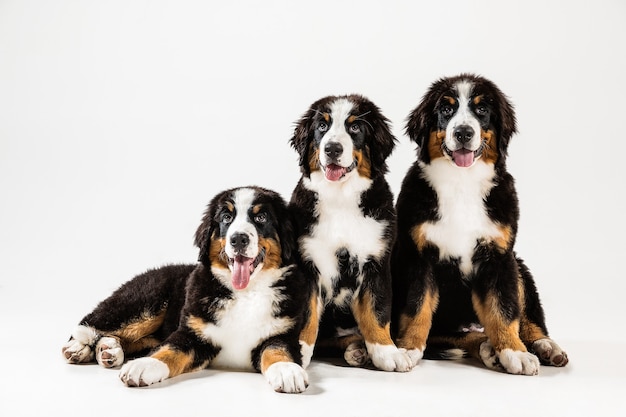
point(243, 306)
point(343, 208)
point(457, 280)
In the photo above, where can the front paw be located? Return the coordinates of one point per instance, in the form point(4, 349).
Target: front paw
point(143, 372)
point(79, 348)
point(415, 355)
point(549, 352)
point(287, 377)
point(512, 361)
point(389, 357)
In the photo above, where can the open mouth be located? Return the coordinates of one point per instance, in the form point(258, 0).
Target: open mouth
point(242, 268)
point(464, 157)
point(334, 172)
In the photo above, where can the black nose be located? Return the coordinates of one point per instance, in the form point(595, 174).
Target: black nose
point(333, 150)
point(239, 241)
point(463, 133)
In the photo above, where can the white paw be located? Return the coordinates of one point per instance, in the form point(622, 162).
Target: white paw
point(518, 362)
point(415, 355)
point(287, 377)
point(306, 351)
point(78, 348)
point(389, 357)
point(356, 354)
point(143, 372)
point(549, 352)
point(512, 361)
point(488, 355)
point(109, 352)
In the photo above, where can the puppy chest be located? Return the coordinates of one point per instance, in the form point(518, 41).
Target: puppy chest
point(340, 243)
point(241, 325)
point(463, 217)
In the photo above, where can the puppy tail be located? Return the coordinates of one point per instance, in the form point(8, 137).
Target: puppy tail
point(443, 352)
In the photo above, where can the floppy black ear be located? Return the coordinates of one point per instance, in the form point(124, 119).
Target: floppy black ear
point(384, 140)
point(506, 123)
point(205, 231)
point(301, 140)
point(421, 121)
point(287, 235)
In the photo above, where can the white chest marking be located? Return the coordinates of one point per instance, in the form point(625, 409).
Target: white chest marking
point(246, 320)
point(463, 216)
point(341, 224)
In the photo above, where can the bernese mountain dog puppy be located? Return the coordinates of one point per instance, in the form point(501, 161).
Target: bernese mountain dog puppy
point(345, 222)
point(242, 306)
point(458, 284)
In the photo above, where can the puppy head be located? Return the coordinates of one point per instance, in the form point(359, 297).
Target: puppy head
point(463, 119)
point(343, 136)
point(243, 231)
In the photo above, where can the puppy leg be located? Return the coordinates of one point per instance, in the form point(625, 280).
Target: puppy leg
point(533, 331)
point(504, 340)
point(383, 352)
point(415, 325)
point(309, 332)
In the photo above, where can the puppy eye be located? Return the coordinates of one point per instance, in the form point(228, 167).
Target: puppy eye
point(226, 218)
point(322, 127)
point(355, 128)
point(481, 110)
point(260, 218)
point(446, 110)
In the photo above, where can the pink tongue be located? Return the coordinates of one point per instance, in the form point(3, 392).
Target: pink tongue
point(334, 172)
point(241, 272)
point(463, 157)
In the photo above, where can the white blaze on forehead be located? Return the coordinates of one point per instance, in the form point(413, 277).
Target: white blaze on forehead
point(340, 110)
point(463, 116)
point(243, 200)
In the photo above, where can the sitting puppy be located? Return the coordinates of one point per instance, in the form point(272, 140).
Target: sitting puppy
point(457, 280)
point(343, 208)
point(243, 306)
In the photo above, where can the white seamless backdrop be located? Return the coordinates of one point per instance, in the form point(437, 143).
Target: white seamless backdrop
point(119, 120)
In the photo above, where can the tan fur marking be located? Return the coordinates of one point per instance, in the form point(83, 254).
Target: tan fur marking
point(197, 325)
point(413, 331)
point(503, 239)
point(435, 144)
point(217, 255)
point(490, 153)
point(177, 362)
point(326, 117)
point(136, 335)
point(363, 164)
point(273, 253)
point(309, 332)
point(478, 99)
point(351, 119)
point(451, 100)
point(371, 329)
point(256, 208)
point(272, 355)
point(502, 334)
point(530, 332)
point(418, 236)
point(314, 158)
point(230, 206)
